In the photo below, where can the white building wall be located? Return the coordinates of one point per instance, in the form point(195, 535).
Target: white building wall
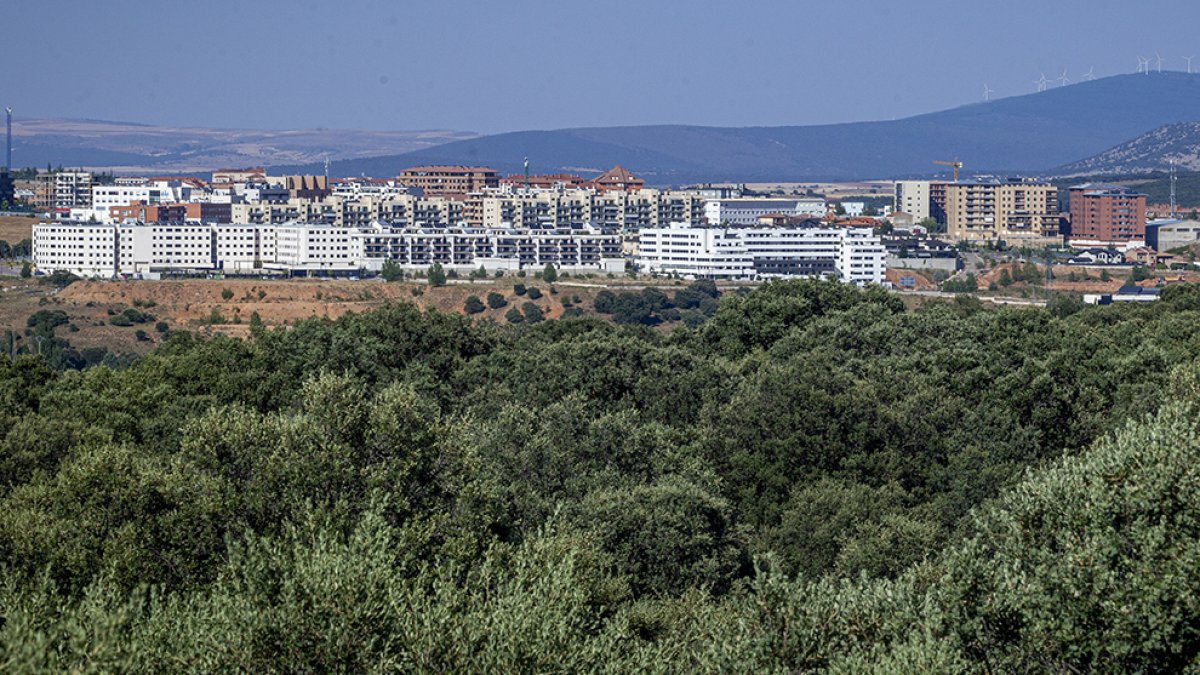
point(855, 255)
point(158, 247)
point(83, 249)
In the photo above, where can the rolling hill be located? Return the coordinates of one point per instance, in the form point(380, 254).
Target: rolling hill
point(141, 148)
point(1030, 133)
point(1153, 151)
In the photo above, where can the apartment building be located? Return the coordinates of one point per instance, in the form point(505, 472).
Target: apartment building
point(449, 180)
point(616, 209)
point(310, 247)
point(1012, 210)
point(60, 192)
point(853, 255)
point(237, 248)
point(467, 248)
point(182, 248)
point(1107, 214)
point(83, 249)
point(101, 250)
point(746, 212)
point(912, 197)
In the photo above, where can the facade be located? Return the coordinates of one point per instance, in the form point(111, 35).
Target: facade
point(1013, 210)
point(913, 198)
point(853, 255)
point(256, 174)
point(102, 250)
point(449, 180)
point(60, 192)
point(163, 247)
point(746, 212)
point(617, 209)
point(1168, 234)
point(1107, 213)
point(83, 249)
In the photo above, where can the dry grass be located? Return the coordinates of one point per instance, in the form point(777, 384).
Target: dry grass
point(16, 228)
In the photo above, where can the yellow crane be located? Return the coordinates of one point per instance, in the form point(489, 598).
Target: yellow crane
point(956, 164)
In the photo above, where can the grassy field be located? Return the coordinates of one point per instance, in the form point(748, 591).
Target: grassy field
point(16, 228)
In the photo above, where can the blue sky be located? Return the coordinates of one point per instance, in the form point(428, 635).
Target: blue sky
point(532, 64)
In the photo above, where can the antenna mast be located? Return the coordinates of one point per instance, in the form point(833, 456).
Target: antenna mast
point(8, 140)
point(1173, 179)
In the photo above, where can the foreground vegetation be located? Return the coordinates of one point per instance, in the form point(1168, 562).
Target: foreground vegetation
point(813, 479)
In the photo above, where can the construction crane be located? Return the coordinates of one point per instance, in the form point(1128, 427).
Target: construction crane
point(956, 164)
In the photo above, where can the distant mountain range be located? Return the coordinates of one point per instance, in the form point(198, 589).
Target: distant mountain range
point(1153, 151)
point(141, 148)
point(1046, 132)
point(1028, 134)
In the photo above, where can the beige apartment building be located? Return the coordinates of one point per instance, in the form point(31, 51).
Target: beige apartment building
point(63, 191)
point(503, 208)
point(912, 197)
point(1012, 210)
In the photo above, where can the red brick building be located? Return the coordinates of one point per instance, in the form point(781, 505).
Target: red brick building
point(1107, 213)
point(171, 213)
point(449, 180)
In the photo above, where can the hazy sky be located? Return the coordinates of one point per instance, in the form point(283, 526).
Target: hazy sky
point(530, 64)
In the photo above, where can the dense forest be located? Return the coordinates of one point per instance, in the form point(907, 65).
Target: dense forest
point(813, 478)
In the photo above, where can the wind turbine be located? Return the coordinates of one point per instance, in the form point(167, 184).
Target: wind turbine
point(1189, 62)
point(1143, 65)
point(1041, 82)
point(987, 93)
point(1064, 80)
point(1160, 61)
point(1090, 75)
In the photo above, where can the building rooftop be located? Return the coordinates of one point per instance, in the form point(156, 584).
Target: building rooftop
point(448, 169)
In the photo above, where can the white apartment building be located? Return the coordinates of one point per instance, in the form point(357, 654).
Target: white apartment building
point(746, 212)
point(99, 250)
point(853, 255)
point(315, 247)
point(236, 248)
point(153, 247)
point(106, 196)
point(701, 252)
point(912, 197)
point(862, 257)
point(83, 249)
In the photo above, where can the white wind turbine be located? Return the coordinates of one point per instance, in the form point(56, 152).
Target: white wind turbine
point(987, 93)
point(1160, 61)
point(1041, 82)
point(1143, 65)
point(1090, 74)
point(1064, 81)
point(1189, 63)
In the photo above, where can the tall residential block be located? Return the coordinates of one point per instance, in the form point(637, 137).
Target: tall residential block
point(1012, 210)
point(1107, 213)
point(912, 197)
point(449, 180)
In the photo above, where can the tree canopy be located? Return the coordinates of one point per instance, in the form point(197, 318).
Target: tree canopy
point(807, 477)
